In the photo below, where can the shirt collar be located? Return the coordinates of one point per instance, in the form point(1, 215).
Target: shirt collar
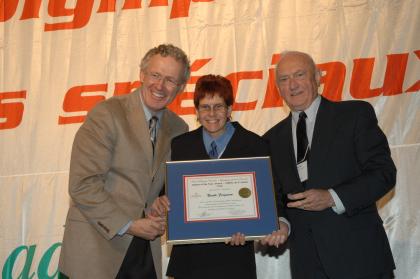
point(221, 141)
point(311, 111)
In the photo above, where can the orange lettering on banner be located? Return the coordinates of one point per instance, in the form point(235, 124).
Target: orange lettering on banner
point(235, 78)
point(12, 112)
point(333, 80)
point(106, 6)
point(180, 8)
point(122, 88)
point(132, 4)
point(81, 14)
point(31, 9)
point(361, 77)
point(395, 73)
point(109, 5)
point(176, 105)
point(157, 3)
point(416, 86)
point(7, 9)
point(76, 100)
point(82, 10)
point(393, 80)
point(272, 95)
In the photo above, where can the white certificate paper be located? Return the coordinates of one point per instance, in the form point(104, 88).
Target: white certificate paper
point(226, 196)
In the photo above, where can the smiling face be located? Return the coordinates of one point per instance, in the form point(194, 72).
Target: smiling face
point(213, 113)
point(161, 82)
point(297, 80)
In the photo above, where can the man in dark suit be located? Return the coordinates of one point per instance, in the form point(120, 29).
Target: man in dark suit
point(331, 163)
point(117, 170)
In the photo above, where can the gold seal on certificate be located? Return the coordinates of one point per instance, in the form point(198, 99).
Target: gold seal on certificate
point(245, 192)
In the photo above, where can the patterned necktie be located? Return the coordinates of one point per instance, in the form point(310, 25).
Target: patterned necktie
point(301, 138)
point(153, 130)
point(213, 152)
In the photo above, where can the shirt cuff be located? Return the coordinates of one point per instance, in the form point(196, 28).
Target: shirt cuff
point(339, 206)
point(284, 220)
point(124, 229)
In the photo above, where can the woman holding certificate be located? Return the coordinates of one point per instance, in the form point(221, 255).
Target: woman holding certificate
point(217, 137)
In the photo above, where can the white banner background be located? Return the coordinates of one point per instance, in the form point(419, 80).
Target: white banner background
point(44, 63)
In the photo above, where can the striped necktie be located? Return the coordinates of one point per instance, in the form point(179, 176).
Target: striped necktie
point(301, 138)
point(213, 154)
point(153, 130)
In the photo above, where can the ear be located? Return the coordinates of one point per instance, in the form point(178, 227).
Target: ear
point(197, 116)
point(318, 77)
point(181, 89)
point(142, 76)
point(229, 112)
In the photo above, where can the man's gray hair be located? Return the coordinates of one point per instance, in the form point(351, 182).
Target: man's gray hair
point(172, 51)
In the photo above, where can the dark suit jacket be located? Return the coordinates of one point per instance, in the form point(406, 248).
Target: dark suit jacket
point(215, 260)
point(350, 154)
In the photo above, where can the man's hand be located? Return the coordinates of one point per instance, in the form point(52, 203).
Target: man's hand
point(160, 207)
point(313, 200)
point(236, 240)
point(277, 237)
point(148, 228)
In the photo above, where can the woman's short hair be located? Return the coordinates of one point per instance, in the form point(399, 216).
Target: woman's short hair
point(211, 85)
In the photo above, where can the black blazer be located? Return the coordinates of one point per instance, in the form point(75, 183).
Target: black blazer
point(350, 154)
point(215, 260)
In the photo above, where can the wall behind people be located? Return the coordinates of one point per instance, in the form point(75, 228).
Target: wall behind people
point(59, 58)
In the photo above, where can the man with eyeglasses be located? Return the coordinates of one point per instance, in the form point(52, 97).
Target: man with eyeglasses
point(331, 163)
point(117, 170)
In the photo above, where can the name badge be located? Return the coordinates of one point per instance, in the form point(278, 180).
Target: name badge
point(303, 170)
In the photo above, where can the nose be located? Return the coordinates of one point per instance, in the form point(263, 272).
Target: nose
point(292, 83)
point(160, 83)
point(212, 111)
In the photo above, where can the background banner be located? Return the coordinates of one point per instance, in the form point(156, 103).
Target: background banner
point(59, 58)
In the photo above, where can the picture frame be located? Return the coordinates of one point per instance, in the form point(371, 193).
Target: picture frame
point(213, 199)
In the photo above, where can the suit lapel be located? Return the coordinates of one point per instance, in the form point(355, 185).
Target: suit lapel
point(162, 142)
point(322, 137)
point(200, 149)
point(289, 151)
point(234, 145)
point(138, 123)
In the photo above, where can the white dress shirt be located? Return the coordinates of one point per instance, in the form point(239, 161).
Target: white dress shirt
point(311, 113)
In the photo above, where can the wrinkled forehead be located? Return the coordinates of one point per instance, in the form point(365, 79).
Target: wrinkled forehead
point(293, 62)
point(165, 65)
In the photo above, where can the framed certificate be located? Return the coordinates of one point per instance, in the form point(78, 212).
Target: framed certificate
point(213, 199)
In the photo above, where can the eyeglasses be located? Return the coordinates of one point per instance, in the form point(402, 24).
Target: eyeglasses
point(217, 108)
point(299, 75)
point(168, 81)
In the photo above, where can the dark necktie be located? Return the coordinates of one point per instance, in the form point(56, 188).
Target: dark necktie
point(213, 151)
point(153, 130)
point(301, 138)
